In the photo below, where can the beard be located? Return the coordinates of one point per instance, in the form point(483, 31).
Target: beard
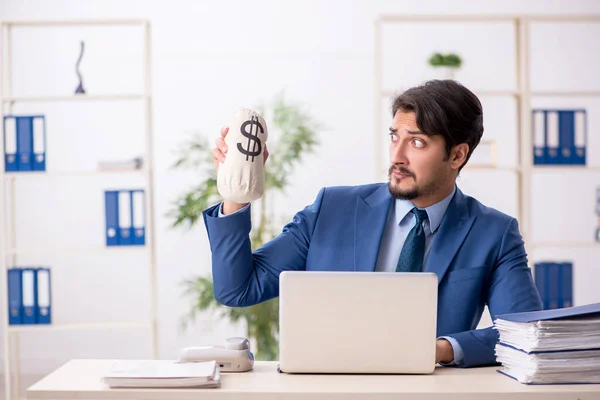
point(403, 194)
point(409, 193)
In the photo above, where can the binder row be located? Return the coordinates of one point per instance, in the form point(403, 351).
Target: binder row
point(29, 296)
point(559, 136)
point(554, 281)
point(125, 217)
point(24, 143)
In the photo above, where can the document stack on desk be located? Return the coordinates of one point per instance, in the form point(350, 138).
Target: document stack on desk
point(557, 346)
point(163, 374)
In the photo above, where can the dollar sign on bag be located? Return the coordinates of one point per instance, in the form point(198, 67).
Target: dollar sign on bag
point(253, 140)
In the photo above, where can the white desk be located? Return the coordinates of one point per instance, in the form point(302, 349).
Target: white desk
point(81, 379)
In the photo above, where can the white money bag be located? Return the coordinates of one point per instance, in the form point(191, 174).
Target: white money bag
point(241, 177)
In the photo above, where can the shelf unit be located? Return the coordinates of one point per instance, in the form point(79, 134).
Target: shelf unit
point(118, 97)
point(35, 175)
point(70, 250)
point(525, 169)
point(388, 93)
point(8, 249)
point(81, 326)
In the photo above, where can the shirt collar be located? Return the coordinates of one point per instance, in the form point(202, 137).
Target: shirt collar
point(435, 212)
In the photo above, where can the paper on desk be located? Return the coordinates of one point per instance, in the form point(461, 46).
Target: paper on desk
point(551, 346)
point(572, 334)
point(162, 373)
point(579, 366)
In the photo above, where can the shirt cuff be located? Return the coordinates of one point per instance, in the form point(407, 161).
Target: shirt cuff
point(458, 351)
point(223, 215)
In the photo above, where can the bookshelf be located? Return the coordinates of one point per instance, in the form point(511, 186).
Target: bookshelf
point(35, 175)
point(83, 326)
point(524, 96)
point(10, 249)
point(87, 98)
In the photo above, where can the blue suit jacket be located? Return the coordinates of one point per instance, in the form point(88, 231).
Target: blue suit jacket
point(478, 255)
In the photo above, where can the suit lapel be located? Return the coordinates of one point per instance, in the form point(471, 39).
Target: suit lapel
point(371, 216)
point(452, 232)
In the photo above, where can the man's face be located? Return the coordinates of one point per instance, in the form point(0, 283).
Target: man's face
point(419, 166)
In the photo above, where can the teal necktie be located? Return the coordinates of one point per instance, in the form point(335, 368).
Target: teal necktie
point(413, 251)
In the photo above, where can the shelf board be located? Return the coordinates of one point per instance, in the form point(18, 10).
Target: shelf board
point(485, 18)
point(514, 93)
point(74, 22)
point(447, 18)
point(496, 93)
point(563, 18)
point(72, 250)
point(76, 98)
point(491, 168)
point(79, 326)
point(565, 168)
point(555, 93)
point(69, 174)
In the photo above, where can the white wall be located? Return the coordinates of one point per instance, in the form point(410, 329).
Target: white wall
point(209, 59)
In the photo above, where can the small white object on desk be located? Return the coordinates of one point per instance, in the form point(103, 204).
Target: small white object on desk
point(235, 356)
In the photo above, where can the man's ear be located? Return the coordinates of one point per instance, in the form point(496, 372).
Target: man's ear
point(458, 156)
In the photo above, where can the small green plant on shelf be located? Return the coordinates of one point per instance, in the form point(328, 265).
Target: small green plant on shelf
point(449, 63)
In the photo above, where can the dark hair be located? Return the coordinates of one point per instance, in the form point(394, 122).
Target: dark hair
point(447, 108)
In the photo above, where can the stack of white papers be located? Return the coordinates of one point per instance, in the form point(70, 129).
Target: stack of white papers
point(567, 334)
point(551, 346)
point(579, 366)
point(163, 374)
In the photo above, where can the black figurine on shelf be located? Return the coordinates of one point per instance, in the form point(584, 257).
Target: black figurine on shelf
point(80, 89)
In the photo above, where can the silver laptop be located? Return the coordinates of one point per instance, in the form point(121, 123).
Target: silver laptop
point(357, 322)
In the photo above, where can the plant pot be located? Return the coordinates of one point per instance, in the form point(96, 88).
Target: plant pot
point(443, 72)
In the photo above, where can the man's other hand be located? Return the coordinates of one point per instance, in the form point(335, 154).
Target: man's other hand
point(444, 353)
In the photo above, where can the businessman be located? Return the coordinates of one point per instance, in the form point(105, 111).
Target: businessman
point(418, 221)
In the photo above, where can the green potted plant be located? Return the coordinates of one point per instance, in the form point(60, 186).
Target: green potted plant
point(292, 134)
point(448, 63)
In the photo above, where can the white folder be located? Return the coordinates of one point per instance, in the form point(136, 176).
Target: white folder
point(125, 216)
point(553, 135)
